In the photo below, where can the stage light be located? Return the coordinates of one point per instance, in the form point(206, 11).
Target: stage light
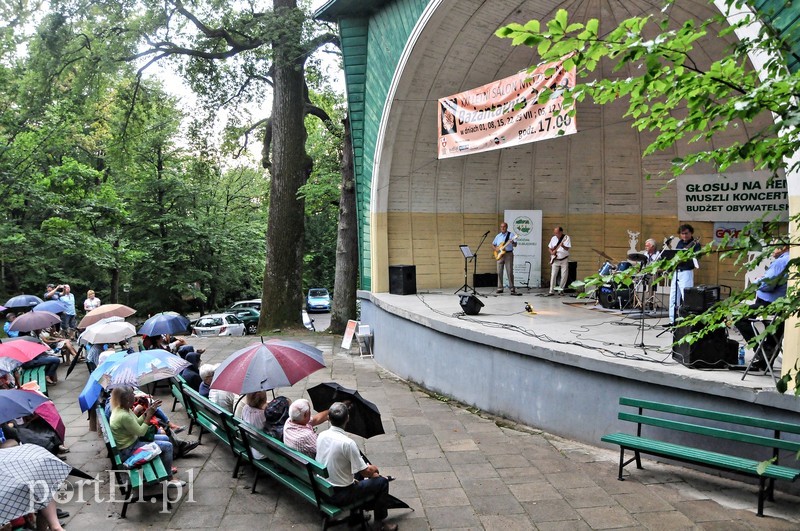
point(470, 304)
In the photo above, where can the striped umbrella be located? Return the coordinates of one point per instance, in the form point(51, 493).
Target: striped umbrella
point(264, 366)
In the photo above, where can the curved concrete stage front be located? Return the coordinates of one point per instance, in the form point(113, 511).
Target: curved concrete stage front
point(561, 370)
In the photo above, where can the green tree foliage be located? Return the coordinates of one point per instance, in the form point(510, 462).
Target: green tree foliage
point(102, 188)
point(668, 94)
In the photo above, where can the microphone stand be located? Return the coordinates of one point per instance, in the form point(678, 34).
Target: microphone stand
point(475, 257)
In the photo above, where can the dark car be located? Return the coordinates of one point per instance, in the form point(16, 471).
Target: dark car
point(318, 300)
point(249, 317)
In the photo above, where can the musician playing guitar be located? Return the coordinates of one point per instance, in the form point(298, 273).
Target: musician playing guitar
point(559, 259)
point(503, 245)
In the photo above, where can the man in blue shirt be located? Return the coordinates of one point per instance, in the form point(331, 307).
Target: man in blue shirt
point(772, 286)
point(68, 319)
point(10, 319)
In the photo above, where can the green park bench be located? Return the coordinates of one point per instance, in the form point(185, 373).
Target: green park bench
point(35, 374)
point(131, 481)
point(755, 432)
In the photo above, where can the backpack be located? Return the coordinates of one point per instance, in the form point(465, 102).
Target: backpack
point(276, 413)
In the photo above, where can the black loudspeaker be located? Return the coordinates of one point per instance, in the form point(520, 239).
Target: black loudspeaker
point(470, 304)
point(713, 351)
point(698, 299)
point(608, 297)
point(572, 274)
point(484, 280)
point(402, 279)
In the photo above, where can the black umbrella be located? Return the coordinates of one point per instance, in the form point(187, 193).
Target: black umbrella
point(365, 419)
point(22, 301)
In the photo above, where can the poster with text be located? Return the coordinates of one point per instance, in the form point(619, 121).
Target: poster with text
point(506, 112)
point(742, 196)
point(527, 225)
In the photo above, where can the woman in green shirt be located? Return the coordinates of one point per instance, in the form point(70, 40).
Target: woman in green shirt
point(127, 428)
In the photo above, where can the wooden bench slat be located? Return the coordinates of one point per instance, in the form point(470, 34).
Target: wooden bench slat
point(731, 418)
point(760, 440)
point(665, 449)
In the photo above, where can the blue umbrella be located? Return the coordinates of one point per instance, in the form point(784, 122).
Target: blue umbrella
point(15, 403)
point(92, 389)
point(23, 301)
point(50, 306)
point(164, 323)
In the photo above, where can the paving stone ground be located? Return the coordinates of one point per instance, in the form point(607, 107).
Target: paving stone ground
point(457, 468)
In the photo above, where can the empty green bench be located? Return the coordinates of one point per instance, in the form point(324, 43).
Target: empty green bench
point(765, 435)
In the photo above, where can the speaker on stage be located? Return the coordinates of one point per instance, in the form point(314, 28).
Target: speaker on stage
point(608, 297)
point(572, 274)
point(700, 298)
point(470, 304)
point(712, 351)
point(402, 279)
point(484, 280)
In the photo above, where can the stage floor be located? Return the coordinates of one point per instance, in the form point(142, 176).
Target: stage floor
point(570, 325)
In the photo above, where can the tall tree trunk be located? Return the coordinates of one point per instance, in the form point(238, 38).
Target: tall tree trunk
point(282, 294)
point(346, 280)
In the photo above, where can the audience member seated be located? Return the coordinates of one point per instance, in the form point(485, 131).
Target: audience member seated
point(341, 456)
point(192, 373)
point(50, 363)
point(10, 316)
point(128, 429)
point(298, 432)
point(224, 399)
point(267, 417)
point(58, 344)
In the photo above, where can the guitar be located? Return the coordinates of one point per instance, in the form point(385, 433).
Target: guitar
point(499, 253)
point(554, 250)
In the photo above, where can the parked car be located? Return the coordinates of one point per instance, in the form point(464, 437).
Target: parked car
point(318, 300)
point(219, 324)
point(251, 303)
point(249, 316)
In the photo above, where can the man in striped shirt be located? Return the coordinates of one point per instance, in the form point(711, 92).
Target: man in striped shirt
point(298, 432)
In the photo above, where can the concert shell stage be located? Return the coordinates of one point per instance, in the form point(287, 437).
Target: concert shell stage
point(521, 366)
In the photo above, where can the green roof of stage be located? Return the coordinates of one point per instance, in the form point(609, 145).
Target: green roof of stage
point(333, 9)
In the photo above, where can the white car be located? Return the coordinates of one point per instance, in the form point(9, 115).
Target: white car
point(219, 324)
point(252, 303)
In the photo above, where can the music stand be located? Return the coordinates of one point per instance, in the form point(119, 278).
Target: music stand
point(468, 255)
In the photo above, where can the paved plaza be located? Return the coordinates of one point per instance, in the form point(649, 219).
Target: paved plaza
point(457, 468)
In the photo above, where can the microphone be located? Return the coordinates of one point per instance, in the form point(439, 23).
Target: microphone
point(486, 233)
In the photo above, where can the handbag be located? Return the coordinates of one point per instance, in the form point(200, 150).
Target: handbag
point(150, 436)
point(142, 455)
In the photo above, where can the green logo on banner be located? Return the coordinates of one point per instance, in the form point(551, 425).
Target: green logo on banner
point(523, 225)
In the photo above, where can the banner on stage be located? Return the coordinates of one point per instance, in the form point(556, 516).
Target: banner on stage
point(506, 113)
point(733, 197)
point(527, 225)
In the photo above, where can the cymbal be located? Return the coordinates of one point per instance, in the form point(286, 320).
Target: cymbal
point(637, 257)
point(604, 255)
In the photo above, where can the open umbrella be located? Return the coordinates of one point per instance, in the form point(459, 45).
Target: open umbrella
point(53, 306)
point(103, 311)
point(48, 413)
point(22, 301)
point(92, 390)
point(34, 321)
point(365, 419)
point(112, 332)
point(265, 366)
point(15, 403)
point(30, 478)
point(141, 368)
point(164, 323)
point(15, 353)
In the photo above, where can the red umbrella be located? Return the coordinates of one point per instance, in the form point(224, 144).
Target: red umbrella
point(48, 412)
point(266, 366)
point(15, 353)
point(106, 310)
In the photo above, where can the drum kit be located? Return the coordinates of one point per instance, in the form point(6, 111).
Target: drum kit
point(615, 296)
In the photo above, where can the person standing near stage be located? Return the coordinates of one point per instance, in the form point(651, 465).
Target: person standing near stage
point(684, 274)
point(503, 245)
point(559, 246)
